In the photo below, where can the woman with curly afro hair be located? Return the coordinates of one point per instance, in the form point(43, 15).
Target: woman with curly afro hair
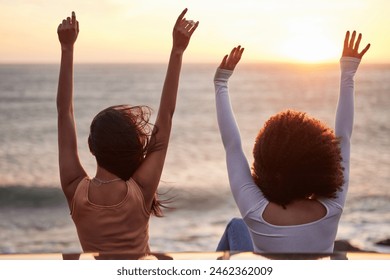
point(292, 198)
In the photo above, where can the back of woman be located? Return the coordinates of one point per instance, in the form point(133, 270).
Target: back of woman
point(292, 198)
point(111, 211)
point(293, 231)
point(97, 224)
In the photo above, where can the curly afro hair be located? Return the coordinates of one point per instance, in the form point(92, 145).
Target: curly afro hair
point(296, 157)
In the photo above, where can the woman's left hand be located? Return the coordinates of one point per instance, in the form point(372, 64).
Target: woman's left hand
point(182, 32)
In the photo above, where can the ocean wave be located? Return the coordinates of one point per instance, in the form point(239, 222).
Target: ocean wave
point(191, 199)
point(30, 197)
point(369, 203)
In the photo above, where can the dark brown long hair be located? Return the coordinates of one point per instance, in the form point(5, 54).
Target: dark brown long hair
point(296, 157)
point(120, 138)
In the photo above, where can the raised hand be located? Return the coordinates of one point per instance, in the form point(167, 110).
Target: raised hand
point(68, 31)
point(229, 62)
point(351, 48)
point(182, 32)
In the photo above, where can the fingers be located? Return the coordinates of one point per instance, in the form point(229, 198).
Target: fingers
point(236, 53)
point(73, 17)
point(69, 22)
point(68, 31)
point(346, 40)
point(189, 25)
point(230, 61)
point(241, 51)
point(186, 27)
point(182, 31)
point(232, 53)
point(364, 50)
point(181, 16)
point(194, 27)
point(351, 43)
point(223, 63)
point(351, 48)
point(358, 42)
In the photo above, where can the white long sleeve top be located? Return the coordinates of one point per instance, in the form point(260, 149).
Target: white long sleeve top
point(314, 237)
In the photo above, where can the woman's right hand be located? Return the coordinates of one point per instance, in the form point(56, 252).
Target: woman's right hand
point(68, 31)
point(230, 61)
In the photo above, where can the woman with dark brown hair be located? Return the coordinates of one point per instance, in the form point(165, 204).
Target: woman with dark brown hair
point(292, 200)
point(111, 211)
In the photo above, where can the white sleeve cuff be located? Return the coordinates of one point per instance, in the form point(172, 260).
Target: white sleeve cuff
point(349, 63)
point(222, 75)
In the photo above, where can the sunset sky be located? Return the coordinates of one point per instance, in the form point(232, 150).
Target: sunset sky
point(127, 31)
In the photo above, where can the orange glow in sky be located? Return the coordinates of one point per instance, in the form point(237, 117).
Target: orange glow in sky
point(123, 31)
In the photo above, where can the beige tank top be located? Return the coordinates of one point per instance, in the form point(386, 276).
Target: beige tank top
point(123, 227)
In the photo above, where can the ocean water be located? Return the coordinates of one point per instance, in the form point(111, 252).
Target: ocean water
point(34, 217)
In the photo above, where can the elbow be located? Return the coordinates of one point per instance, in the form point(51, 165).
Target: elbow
point(64, 112)
point(164, 120)
point(344, 135)
point(160, 138)
point(232, 145)
point(64, 115)
point(163, 127)
point(170, 114)
point(166, 112)
point(344, 140)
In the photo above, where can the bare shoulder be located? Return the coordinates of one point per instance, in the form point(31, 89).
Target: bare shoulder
point(296, 213)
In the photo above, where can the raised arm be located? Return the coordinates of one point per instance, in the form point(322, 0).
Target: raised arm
point(149, 173)
point(227, 125)
point(345, 109)
point(244, 190)
point(71, 171)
